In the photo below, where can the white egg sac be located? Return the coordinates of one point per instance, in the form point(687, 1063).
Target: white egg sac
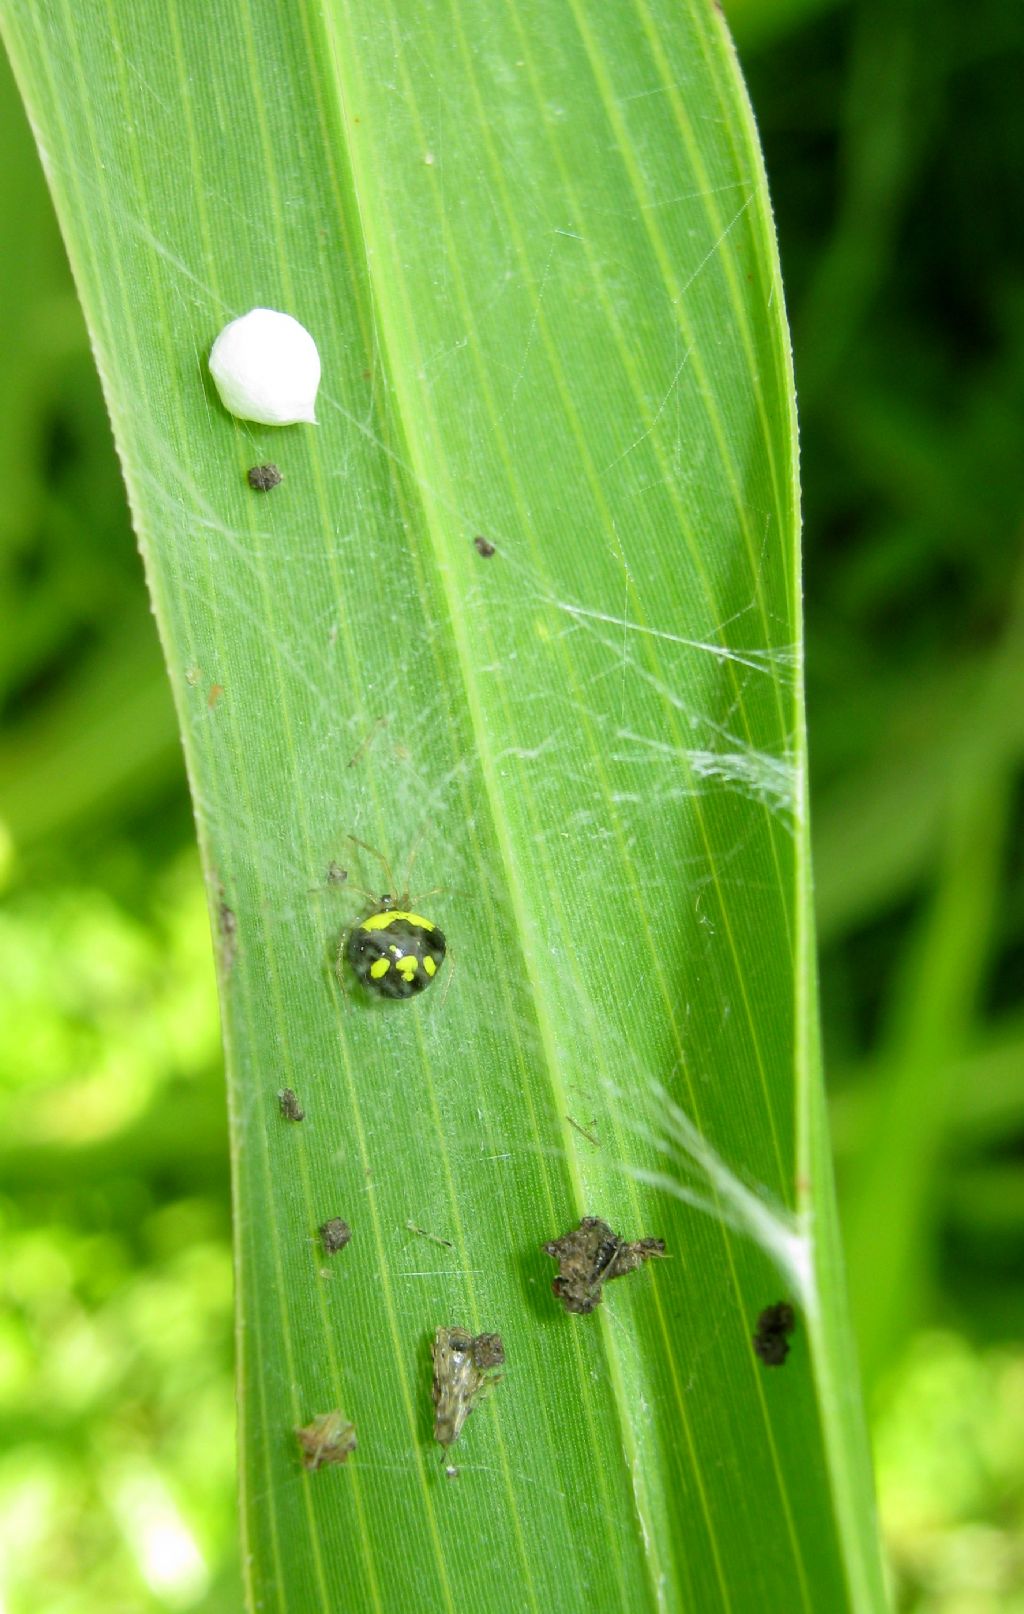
point(266, 368)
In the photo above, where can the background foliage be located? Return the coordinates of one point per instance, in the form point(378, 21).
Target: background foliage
point(892, 142)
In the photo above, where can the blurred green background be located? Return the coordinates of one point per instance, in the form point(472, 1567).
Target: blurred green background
point(894, 138)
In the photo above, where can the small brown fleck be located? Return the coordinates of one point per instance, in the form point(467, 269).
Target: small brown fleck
point(583, 1131)
point(334, 1235)
point(328, 1438)
point(227, 924)
point(464, 1373)
point(336, 875)
point(367, 741)
point(214, 694)
point(770, 1337)
point(591, 1256)
point(483, 546)
point(262, 478)
point(435, 1238)
point(291, 1109)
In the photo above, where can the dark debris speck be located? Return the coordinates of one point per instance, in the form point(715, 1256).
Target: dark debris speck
point(291, 1109)
point(334, 1235)
point(771, 1336)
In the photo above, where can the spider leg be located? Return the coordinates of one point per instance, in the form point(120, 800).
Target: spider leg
point(381, 859)
point(412, 858)
point(424, 896)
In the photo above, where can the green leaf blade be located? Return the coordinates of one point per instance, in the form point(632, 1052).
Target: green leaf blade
point(537, 255)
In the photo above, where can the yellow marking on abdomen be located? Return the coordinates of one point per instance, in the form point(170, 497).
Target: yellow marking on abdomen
point(381, 921)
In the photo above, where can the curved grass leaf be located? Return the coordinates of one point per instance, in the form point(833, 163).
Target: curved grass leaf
point(534, 245)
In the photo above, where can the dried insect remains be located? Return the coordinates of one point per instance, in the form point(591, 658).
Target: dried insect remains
point(590, 1257)
point(465, 1371)
point(328, 1438)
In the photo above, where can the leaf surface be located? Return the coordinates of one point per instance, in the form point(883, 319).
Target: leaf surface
point(534, 246)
